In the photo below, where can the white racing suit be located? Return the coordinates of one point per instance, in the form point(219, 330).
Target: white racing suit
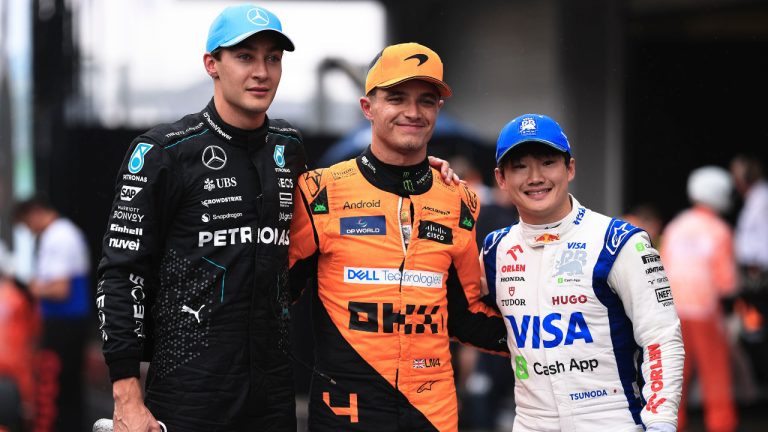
point(592, 329)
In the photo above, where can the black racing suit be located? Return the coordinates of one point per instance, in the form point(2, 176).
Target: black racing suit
point(194, 270)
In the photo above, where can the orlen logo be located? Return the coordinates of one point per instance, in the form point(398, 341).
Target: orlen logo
point(127, 193)
point(538, 328)
point(513, 249)
point(513, 268)
point(657, 378)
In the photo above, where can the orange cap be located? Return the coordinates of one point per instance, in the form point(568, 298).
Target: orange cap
point(403, 62)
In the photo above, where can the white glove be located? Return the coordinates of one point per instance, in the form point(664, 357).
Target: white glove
point(661, 427)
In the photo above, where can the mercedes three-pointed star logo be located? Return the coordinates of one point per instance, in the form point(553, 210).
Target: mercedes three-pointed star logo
point(258, 17)
point(214, 157)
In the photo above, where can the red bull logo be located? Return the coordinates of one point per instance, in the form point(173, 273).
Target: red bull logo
point(547, 238)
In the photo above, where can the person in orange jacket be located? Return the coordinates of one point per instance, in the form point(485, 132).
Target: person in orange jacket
point(19, 331)
point(396, 263)
point(697, 252)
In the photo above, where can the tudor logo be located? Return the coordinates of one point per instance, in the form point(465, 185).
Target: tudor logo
point(214, 157)
point(258, 17)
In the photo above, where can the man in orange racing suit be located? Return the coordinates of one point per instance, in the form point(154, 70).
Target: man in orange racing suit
point(396, 264)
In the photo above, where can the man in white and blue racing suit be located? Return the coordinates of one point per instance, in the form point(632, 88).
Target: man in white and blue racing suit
point(592, 328)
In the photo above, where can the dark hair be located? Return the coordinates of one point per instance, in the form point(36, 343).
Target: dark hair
point(24, 208)
point(535, 149)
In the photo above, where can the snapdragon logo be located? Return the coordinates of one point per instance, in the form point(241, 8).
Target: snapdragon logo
point(379, 276)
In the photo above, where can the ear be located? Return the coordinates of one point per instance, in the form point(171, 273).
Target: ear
point(571, 169)
point(365, 107)
point(440, 104)
point(210, 64)
point(500, 180)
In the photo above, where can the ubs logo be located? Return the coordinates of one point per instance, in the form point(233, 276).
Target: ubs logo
point(214, 157)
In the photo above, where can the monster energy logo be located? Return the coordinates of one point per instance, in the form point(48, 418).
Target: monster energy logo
point(521, 367)
point(319, 207)
point(467, 222)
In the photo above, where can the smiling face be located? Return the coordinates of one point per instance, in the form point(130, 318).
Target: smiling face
point(402, 120)
point(537, 183)
point(245, 79)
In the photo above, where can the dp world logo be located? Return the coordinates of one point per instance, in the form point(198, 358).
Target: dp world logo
point(136, 162)
point(279, 155)
point(214, 157)
point(258, 17)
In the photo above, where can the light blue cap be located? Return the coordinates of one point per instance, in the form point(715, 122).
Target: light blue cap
point(531, 128)
point(236, 23)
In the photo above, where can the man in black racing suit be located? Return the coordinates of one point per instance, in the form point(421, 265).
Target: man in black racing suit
point(195, 256)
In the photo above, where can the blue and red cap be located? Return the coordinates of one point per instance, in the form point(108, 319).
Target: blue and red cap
point(531, 128)
point(237, 23)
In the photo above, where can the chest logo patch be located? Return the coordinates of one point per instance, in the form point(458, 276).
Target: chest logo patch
point(279, 155)
point(571, 263)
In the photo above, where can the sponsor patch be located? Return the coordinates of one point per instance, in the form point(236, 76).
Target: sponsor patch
point(136, 162)
point(363, 225)
point(376, 276)
point(436, 232)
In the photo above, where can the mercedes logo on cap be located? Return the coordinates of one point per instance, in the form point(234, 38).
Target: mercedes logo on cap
point(214, 157)
point(258, 17)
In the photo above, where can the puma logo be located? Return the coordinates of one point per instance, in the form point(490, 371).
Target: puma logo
point(196, 313)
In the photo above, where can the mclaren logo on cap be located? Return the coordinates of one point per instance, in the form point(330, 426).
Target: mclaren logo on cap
point(422, 58)
point(258, 17)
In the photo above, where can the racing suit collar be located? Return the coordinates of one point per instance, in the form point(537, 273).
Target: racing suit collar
point(399, 180)
point(553, 233)
point(231, 134)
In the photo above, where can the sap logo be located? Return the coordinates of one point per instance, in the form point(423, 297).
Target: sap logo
point(576, 245)
point(136, 162)
point(537, 327)
point(127, 193)
point(286, 183)
point(571, 263)
point(513, 268)
point(124, 244)
point(382, 317)
point(361, 226)
point(579, 216)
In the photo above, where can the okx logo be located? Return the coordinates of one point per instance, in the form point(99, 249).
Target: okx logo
point(136, 162)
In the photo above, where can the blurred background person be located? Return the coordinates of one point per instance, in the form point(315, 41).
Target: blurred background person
point(647, 217)
point(751, 245)
point(19, 326)
point(697, 252)
point(60, 282)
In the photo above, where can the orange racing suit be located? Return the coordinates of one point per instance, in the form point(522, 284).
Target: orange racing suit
point(387, 301)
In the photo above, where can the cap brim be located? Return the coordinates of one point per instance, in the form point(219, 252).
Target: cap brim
point(287, 42)
point(531, 140)
point(442, 87)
